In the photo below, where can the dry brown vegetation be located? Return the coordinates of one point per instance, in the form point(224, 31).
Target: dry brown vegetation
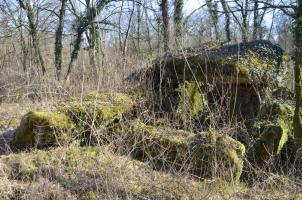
point(120, 100)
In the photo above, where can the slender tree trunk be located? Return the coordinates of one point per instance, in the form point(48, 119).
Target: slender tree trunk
point(33, 32)
point(23, 44)
point(92, 46)
point(127, 32)
point(214, 16)
point(101, 58)
point(297, 122)
point(125, 43)
point(74, 53)
point(256, 28)
point(164, 6)
point(158, 35)
point(269, 35)
point(139, 19)
point(120, 27)
point(58, 42)
point(178, 17)
point(227, 15)
point(83, 25)
point(261, 18)
point(93, 38)
point(148, 32)
point(245, 36)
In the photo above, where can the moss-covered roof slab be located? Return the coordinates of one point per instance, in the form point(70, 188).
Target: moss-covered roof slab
point(253, 62)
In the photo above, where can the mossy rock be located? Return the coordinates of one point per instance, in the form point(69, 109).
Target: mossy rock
point(180, 149)
point(43, 129)
point(97, 108)
point(274, 131)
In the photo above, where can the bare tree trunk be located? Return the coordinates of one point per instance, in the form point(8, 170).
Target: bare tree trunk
point(214, 16)
point(93, 40)
point(297, 122)
point(83, 25)
point(178, 17)
point(226, 11)
point(139, 19)
point(23, 44)
point(261, 18)
point(74, 53)
point(125, 45)
point(58, 42)
point(164, 6)
point(244, 28)
point(159, 35)
point(148, 32)
point(256, 27)
point(127, 32)
point(33, 32)
point(101, 59)
point(120, 27)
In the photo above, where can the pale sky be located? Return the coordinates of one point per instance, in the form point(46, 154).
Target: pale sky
point(192, 4)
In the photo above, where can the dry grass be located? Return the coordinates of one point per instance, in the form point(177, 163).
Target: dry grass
point(96, 173)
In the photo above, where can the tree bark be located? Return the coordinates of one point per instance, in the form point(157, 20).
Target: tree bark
point(214, 16)
point(164, 6)
point(227, 15)
point(297, 122)
point(84, 23)
point(244, 29)
point(256, 28)
point(178, 17)
point(23, 44)
point(148, 32)
point(58, 42)
point(33, 32)
point(139, 19)
point(120, 27)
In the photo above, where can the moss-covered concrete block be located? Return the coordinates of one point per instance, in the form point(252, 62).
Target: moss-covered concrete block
point(257, 62)
point(191, 101)
point(197, 153)
point(97, 108)
point(43, 129)
point(274, 131)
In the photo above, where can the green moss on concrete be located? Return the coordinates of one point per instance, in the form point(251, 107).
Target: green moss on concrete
point(222, 151)
point(43, 129)
point(191, 101)
point(275, 131)
point(259, 64)
point(180, 149)
point(272, 140)
point(97, 108)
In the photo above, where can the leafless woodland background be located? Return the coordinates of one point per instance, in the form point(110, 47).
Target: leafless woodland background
point(120, 38)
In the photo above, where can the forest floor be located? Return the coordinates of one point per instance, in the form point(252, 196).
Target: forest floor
point(115, 177)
